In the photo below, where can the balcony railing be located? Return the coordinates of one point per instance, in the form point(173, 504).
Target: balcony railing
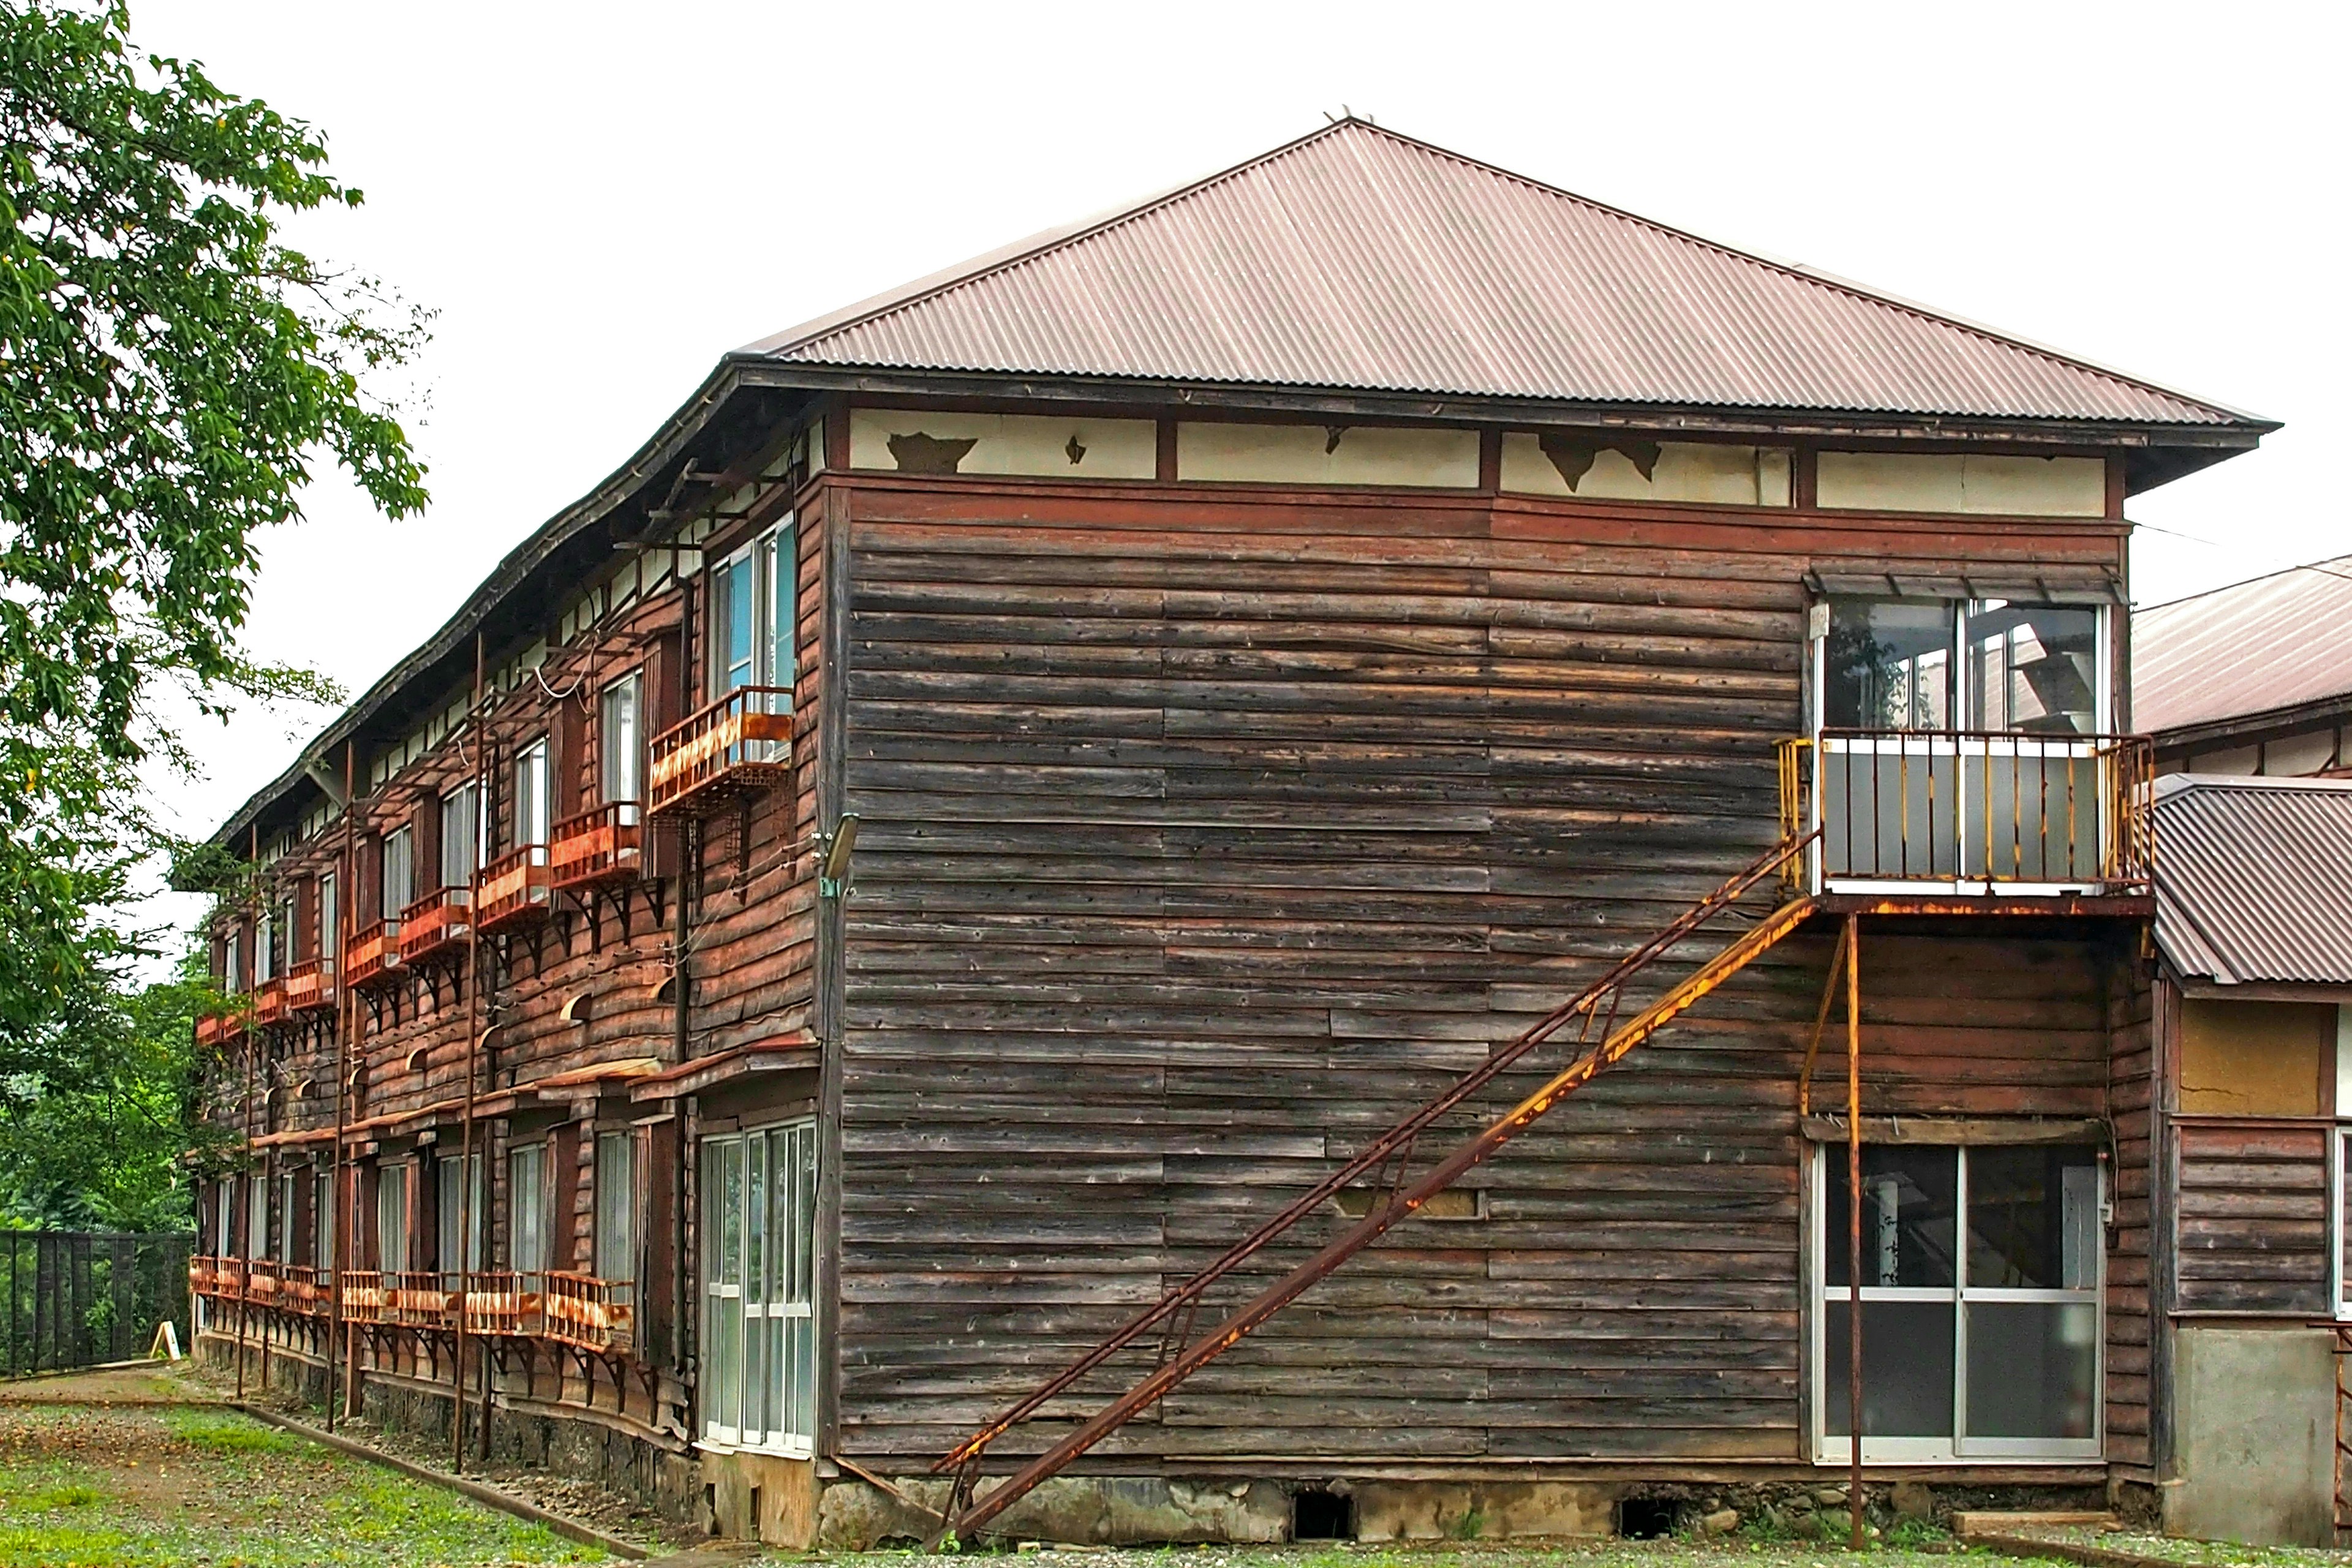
point(594, 1314)
point(598, 845)
point(514, 887)
point(215, 1028)
point(311, 986)
point(740, 744)
point(421, 1298)
point(438, 920)
point(1975, 812)
point(504, 1303)
point(365, 1299)
point(305, 1289)
point(269, 1003)
point(374, 955)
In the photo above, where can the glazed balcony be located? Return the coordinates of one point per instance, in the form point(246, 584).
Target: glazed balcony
point(514, 888)
point(310, 986)
point(1974, 814)
point(435, 923)
point(605, 845)
point(740, 745)
point(374, 955)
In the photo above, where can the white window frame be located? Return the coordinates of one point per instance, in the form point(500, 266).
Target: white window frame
point(771, 1292)
point(329, 902)
point(322, 1217)
point(621, 757)
point(265, 943)
point(392, 1249)
point(450, 1211)
point(613, 1256)
point(398, 850)
point(762, 565)
point(463, 806)
point(1957, 1449)
point(533, 796)
point(256, 1215)
point(527, 1207)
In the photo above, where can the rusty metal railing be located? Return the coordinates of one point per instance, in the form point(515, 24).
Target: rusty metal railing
point(1976, 810)
point(592, 1313)
point(311, 986)
point(599, 844)
point(742, 742)
point(442, 918)
point(513, 887)
point(374, 954)
point(505, 1303)
point(1602, 1041)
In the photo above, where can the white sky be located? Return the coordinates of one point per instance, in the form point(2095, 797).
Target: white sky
point(600, 200)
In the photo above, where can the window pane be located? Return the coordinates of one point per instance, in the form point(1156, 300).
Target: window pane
point(330, 920)
point(1907, 1369)
point(398, 872)
point(2032, 1368)
point(527, 1208)
point(460, 846)
point(1909, 1215)
point(530, 795)
point(617, 760)
point(2034, 668)
point(1888, 665)
point(616, 1184)
point(732, 613)
point(2033, 1218)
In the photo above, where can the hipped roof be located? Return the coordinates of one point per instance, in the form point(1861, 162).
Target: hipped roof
point(2253, 879)
point(1358, 258)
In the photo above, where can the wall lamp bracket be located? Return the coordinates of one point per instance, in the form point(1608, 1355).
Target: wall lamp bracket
point(833, 872)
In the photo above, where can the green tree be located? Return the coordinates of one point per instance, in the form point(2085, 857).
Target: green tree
point(170, 369)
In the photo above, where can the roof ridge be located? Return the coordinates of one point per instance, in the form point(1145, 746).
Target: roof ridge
point(991, 264)
point(1846, 286)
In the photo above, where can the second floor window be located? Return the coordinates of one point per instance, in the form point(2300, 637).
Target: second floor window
point(399, 871)
point(329, 913)
point(751, 602)
point(461, 841)
point(1978, 665)
point(530, 795)
point(622, 744)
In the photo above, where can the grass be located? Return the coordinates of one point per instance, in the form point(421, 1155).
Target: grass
point(85, 1485)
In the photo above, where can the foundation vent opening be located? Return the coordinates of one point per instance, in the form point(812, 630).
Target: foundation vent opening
point(1321, 1515)
point(1645, 1518)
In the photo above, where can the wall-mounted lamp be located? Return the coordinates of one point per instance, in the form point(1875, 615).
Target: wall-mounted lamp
point(833, 876)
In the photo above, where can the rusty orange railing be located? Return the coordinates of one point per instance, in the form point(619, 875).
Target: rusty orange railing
point(594, 1314)
point(439, 920)
point(504, 1303)
point(514, 887)
point(597, 846)
point(374, 954)
point(739, 744)
point(1976, 810)
point(366, 1299)
point(269, 1003)
point(311, 986)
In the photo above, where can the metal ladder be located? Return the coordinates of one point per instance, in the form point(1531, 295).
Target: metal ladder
point(1602, 1041)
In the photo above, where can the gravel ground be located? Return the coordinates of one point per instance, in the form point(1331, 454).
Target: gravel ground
point(2172, 1550)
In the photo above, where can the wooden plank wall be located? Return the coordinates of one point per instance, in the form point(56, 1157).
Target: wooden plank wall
point(2253, 1214)
point(1205, 833)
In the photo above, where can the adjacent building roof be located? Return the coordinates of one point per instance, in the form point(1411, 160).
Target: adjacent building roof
point(2254, 879)
point(2265, 647)
point(1355, 258)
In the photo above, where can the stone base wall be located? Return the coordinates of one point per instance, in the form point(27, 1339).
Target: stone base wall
point(646, 1472)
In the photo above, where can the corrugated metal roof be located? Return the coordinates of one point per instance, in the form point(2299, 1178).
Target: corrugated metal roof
point(2254, 879)
point(1355, 258)
point(2279, 641)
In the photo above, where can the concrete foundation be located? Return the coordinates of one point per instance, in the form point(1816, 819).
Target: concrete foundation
point(2255, 1425)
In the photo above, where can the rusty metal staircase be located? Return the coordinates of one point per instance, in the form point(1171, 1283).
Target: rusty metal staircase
point(1601, 1040)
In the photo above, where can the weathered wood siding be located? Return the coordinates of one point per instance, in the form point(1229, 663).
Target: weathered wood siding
point(1204, 834)
point(2253, 1214)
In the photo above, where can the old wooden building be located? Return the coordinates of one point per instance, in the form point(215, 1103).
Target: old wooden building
point(1024, 782)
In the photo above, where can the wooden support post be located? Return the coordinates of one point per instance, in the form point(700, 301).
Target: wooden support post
point(1854, 1220)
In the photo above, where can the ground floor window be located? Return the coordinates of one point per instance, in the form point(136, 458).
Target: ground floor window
point(527, 1208)
point(458, 1211)
point(392, 1217)
point(1981, 1315)
point(759, 1268)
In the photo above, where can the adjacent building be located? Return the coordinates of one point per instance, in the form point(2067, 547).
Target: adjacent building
point(1019, 781)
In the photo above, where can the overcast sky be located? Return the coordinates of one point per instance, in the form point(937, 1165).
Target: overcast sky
point(599, 201)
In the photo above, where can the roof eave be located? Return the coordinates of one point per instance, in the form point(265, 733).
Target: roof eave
point(2199, 444)
point(665, 448)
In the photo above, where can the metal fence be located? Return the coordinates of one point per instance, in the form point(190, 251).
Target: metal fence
point(82, 1298)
